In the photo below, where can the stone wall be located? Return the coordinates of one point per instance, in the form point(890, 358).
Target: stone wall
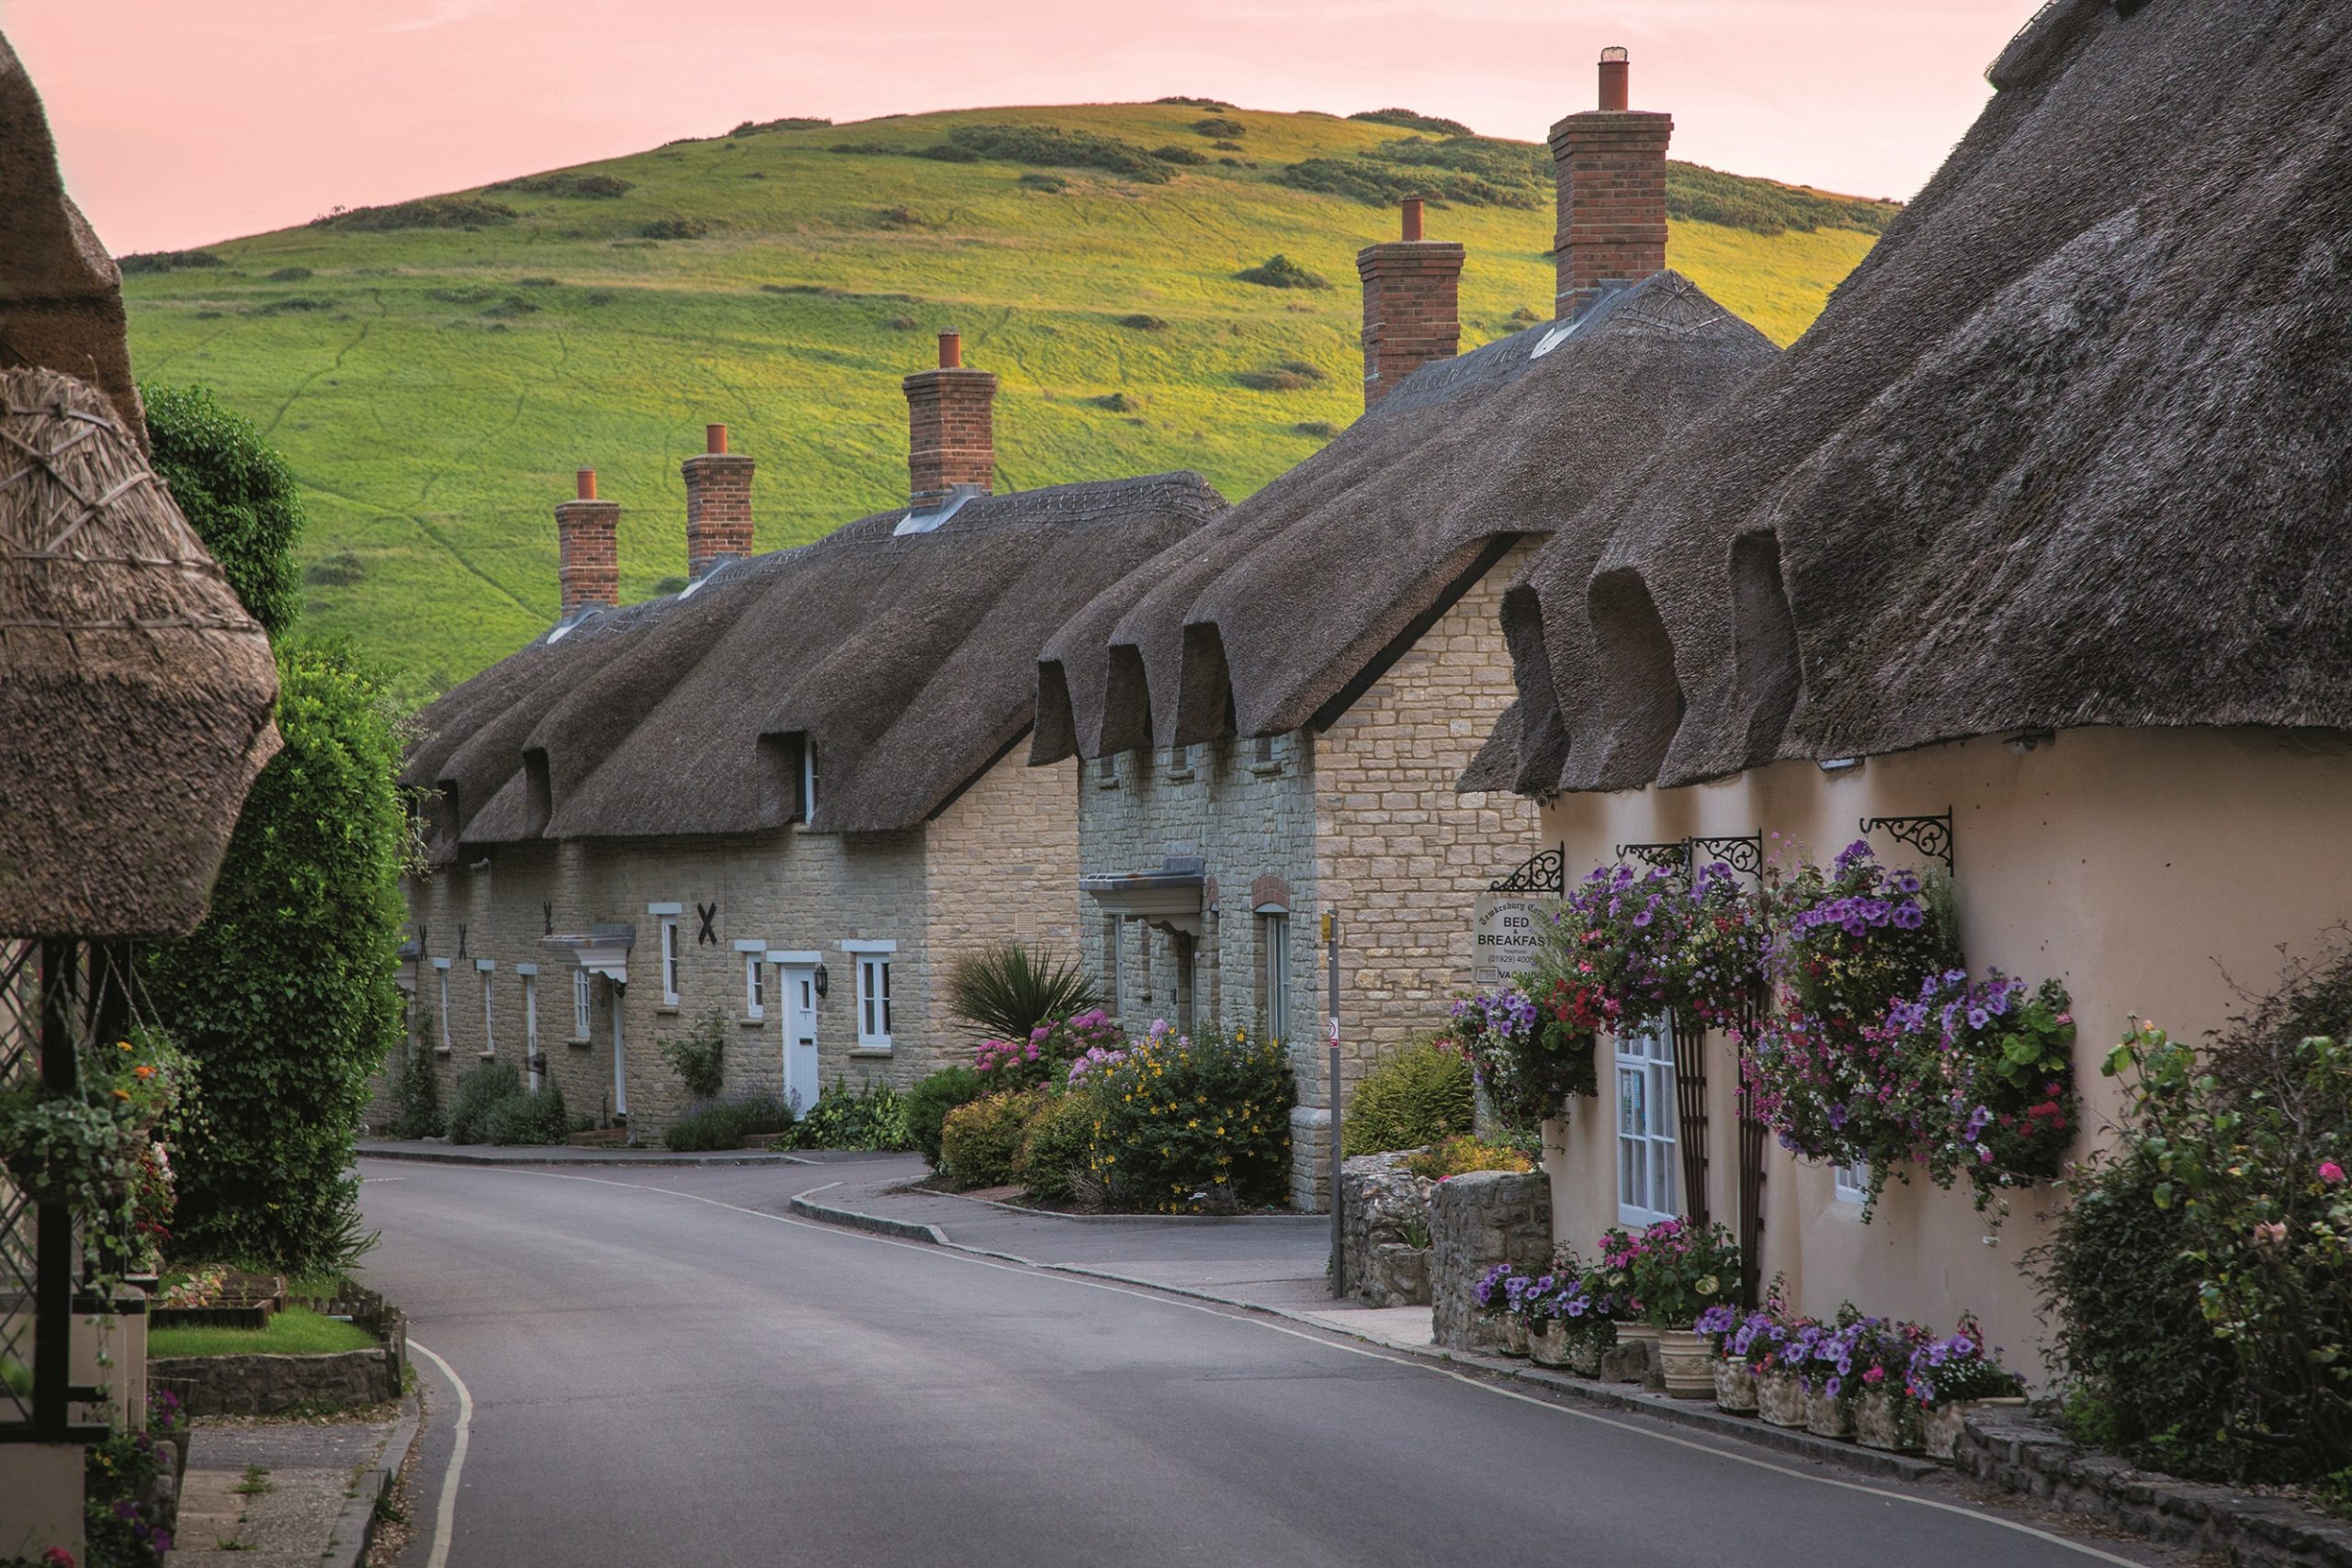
point(1475, 1221)
point(2015, 1453)
point(1383, 1207)
point(1000, 863)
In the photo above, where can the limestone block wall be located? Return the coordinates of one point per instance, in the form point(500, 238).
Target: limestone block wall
point(789, 889)
point(1475, 1221)
point(1399, 853)
point(1000, 864)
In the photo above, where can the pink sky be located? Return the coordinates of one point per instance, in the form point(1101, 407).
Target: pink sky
point(184, 123)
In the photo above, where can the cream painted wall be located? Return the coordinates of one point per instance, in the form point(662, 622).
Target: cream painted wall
point(2147, 869)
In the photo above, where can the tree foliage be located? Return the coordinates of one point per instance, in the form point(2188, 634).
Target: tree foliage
point(237, 491)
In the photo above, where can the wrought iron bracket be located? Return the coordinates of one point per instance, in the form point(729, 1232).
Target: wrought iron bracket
point(1743, 853)
point(1931, 835)
point(1546, 870)
point(1674, 857)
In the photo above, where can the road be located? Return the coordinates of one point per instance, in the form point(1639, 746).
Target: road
point(663, 1367)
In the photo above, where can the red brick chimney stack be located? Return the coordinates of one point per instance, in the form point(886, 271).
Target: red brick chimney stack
point(587, 558)
point(1411, 304)
point(718, 505)
point(951, 428)
point(1610, 167)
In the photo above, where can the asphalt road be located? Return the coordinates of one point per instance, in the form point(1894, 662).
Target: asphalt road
point(664, 1369)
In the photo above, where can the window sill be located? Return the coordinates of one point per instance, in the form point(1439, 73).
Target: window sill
point(1106, 784)
point(1184, 776)
point(486, 1055)
point(440, 1050)
point(748, 1022)
point(1266, 770)
point(883, 1050)
point(581, 1041)
point(665, 1009)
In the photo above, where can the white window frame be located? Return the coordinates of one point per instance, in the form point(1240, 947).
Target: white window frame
point(582, 994)
point(488, 970)
point(441, 968)
point(1275, 924)
point(1649, 1160)
point(755, 979)
point(873, 1021)
point(670, 961)
point(530, 982)
point(1851, 1182)
point(807, 778)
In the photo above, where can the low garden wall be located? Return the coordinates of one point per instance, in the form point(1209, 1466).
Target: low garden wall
point(270, 1384)
point(2019, 1454)
point(1475, 1221)
point(1387, 1225)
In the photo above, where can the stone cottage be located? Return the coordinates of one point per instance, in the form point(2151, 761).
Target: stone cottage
point(1272, 712)
point(786, 797)
point(2032, 556)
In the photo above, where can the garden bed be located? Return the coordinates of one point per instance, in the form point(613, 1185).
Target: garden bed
point(325, 1352)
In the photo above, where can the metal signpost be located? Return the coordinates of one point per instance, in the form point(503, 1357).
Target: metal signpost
point(1332, 971)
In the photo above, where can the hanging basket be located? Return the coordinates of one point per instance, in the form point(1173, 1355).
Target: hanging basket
point(62, 1151)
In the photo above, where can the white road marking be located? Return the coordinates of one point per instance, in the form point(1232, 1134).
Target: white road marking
point(445, 1519)
point(1240, 1315)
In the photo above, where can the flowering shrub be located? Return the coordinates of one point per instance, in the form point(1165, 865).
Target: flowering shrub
point(1459, 1157)
point(979, 1142)
point(1181, 1123)
point(1048, 1053)
point(1958, 1367)
point(1493, 1291)
point(1670, 1272)
point(1056, 1142)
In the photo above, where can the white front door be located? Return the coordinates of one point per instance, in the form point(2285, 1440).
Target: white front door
point(620, 1059)
point(798, 981)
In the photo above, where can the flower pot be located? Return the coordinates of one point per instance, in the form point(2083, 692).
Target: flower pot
point(1735, 1386)
point(1641, 1338)
point(1885, 1418)
point(1940, 1425)
point(1515, 1339)
point(1584, 1350)
point(1826, 1416)
point(1687, 1360)
point(1779, 1397)
point(1548, 1343)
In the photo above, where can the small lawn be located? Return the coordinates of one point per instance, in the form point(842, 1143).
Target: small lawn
point(296, 1331)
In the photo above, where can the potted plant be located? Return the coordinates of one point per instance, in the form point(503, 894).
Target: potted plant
point(1547, 1323)
point(1678, 1271)
point(1735, 1380)
point(1950, 1378)
point(1766, 1341)
point(1498, 1294)
point(1886, 1415)
point(1824, 1354)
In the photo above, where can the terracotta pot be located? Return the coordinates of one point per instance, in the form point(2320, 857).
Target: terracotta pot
point(1687, 1360)
point(1779, 1397)
point(1549, 1343)
point(1735, 1386)
point(1828, 1417)
point(1887, 1419)
point(1940, 1424)
point(1515, 1340)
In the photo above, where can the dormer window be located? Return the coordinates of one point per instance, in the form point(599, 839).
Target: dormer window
point(807, 779)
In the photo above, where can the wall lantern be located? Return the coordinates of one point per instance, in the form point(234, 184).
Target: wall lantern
point(822, 978)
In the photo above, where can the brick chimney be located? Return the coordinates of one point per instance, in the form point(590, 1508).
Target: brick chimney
point(587, 559)
point(718, 505)
point(950, 430)
point(1610, 167)
point(1411, 311)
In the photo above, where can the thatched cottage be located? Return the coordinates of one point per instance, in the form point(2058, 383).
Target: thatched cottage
point(1273, 712)
point(786, 797)
point(2044, 525)
point(136, 700)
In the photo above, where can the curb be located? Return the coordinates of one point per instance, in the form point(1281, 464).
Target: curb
point(354, 1528)
point(1321, 1220)
point(644, 1162)
point(1678, 1413)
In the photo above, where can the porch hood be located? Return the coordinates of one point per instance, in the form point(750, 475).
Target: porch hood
point(1171, 898)
point(602, 950)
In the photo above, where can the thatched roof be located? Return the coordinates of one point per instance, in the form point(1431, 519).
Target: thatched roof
point(1280, 613)
point(135, 692)
point(2067, 449)
point(61, 294)
point(909, 659)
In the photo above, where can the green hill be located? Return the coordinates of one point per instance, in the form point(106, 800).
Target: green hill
point(435, 370)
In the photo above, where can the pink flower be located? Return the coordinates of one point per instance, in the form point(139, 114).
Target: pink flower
point(2271, 1234)
point(2331, 1172)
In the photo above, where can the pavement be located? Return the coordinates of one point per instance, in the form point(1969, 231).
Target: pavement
point(440, 1153)
point(671, 1366)
point(287, 1492)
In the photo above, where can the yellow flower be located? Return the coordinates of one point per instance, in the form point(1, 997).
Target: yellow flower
point(1193, 1122)
point(122, 1094)
point(122, 1044)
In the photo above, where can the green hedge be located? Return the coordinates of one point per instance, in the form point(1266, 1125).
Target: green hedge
point(929, 1102)
point(1421, 1095)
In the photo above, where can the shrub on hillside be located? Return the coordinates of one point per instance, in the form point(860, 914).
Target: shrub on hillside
point(1290, 376)
point(673, 229)
point(1420, 1094)
point(2202, 1276)
point(1043, 182)
point(1220, 126)
point(166, 261)
point(789, 122)
point(1199, 1122)
point(1173, 154)
point(289, 275)
point(1697, 194)
point(1278, 271)
point(426, 212)
point(1007, 990)
point(572, 183)
point(1141, 323)
point(1411, 122)
point(480, 1091)
point(1056, 1145)
point(1050, 147)
point(928, 1103)
point(979, 1142)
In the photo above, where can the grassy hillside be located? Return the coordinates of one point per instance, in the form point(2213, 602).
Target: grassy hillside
point(434, 387)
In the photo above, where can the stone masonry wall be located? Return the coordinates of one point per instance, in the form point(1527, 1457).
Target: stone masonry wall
point(1475, 1221)
point(789, 889)
point(1000, 863)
